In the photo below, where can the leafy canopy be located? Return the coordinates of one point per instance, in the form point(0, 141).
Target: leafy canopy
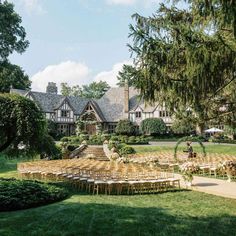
point(12, 76)
point(125, 127)
point(94, 90)
point(21, 121)
point(12, 34)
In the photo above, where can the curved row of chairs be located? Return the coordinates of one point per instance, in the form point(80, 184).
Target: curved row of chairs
point(101, 176)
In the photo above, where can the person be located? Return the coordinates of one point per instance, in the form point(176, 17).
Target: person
point(189, 150)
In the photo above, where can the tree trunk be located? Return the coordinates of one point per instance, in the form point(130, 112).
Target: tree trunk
point(200, 128)
point(7, 144)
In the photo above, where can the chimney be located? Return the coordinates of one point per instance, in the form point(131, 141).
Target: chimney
point(126, 96)
point(51, 88)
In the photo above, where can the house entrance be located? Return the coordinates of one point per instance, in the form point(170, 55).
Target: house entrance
point(91, 129)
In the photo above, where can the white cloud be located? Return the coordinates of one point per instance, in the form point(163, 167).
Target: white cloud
point(111, 76)
point(31, 6)
point(71, 72)
point(74, 73)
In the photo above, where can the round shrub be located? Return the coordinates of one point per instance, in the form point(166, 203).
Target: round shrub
point(153, 126)
point(125, 127)
point(126, 150)
point(22, 194)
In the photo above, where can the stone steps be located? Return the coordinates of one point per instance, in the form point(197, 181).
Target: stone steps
point(94, 152)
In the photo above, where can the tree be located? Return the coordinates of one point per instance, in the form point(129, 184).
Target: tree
point(153, 126)
point(184, 60)
point(12, 33)
point(125, 127)
point(126, 74)
point(95, 90)
point(21, 121)
point(12, 76)
point(66, 90)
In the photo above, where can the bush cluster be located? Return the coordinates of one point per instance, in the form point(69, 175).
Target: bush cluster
point(122, 148)
point(100, 138)
point(22, 194)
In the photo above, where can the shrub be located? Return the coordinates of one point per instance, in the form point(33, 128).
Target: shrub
point(126, 150)
point(64, 139)
point(153, 126)
point(84, 137)
point(48, 149)
point(105, 136)
point(125, 127)
point(132, 139)
point(22, 194)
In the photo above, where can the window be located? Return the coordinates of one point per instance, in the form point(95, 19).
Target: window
point(65, 113)
point(138, 114)
point(164, 114)
point(111, 128)
point(89, 108)
point(63, 129)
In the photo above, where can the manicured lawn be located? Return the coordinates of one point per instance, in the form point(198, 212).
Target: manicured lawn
point(173, 213)
point(210, 148)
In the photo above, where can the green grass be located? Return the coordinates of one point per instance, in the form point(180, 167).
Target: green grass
point(174, 213)
point(212, 148)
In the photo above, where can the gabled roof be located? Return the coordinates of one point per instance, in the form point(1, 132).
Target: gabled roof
point(112, 103)
point(109, 108)
point(96, 109)
point(48, 102)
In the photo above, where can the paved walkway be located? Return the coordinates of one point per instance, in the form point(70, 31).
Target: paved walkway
point(213, 186)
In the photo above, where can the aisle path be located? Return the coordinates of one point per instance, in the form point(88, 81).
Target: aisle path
point(213, 186)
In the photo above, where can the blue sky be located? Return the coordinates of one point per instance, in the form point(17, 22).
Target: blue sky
point(77, 41)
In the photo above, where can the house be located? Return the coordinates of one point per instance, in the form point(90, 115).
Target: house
point(101, 114)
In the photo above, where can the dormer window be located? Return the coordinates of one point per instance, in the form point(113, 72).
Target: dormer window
point(138, 114)
point(65, 114)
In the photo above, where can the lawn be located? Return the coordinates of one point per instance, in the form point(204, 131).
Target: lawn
point(173, 213)
point(210, 148)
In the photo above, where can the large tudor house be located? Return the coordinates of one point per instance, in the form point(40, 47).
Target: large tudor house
point(101, 114)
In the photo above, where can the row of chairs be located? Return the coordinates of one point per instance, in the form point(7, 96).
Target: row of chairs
point(101, 177)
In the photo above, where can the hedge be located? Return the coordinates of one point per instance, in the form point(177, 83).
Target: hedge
point(21, 194)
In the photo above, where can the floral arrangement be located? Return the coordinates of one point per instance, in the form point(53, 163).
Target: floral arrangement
point(229, 167)
point(188, 169)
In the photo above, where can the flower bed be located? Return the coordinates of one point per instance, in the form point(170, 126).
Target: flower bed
point(21, 194)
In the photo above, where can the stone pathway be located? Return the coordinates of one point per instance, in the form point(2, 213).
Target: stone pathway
point(213, 186)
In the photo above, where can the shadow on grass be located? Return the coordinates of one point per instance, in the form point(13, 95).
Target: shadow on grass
point(95, 218)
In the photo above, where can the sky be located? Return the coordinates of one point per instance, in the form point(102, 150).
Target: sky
point(77, 41)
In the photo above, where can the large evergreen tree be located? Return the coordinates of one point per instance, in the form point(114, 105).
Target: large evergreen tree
point(185, 58)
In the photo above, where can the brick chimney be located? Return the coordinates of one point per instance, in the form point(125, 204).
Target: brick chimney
point(126, 96)
point(51, 88)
